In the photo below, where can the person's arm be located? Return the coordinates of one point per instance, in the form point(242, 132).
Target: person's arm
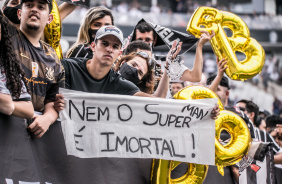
point(163, 86)
point(65, 9)
point(215, 112)
point(235, 173)
point(195, 74)
point(140, 93)
point(276, 134)
point(23, 109)
point(278, 158)
point(220, 71)
point(41, 123)
point(7, 106)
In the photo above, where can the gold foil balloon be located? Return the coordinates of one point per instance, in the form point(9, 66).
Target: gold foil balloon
point(225, 155)
point(52, 31)
point(207, 19)
point(197, 92)
point(239, 143)
point(161, 173)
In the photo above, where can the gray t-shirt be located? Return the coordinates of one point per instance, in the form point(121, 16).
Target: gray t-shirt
point(4, 90)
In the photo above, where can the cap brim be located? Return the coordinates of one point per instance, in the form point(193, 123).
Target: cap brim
point(105, 34)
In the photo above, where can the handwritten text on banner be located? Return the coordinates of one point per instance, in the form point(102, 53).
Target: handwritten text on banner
point(102, 125)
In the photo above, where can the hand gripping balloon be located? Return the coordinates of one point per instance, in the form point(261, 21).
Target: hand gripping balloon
point(207, 19)
point(52, 31)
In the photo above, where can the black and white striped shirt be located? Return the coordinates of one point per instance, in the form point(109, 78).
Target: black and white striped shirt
point(82, 51)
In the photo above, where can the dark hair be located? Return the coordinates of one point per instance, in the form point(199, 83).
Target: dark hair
point(9, 62)
point(252, 107)
point(50, 5)
point(243, 101)
point(182, 83)
point(135, 45)
point(148, 81)
point(106, 12)
point(258, 121)
point(273, 120)
point(144, 27)
point(223, 82)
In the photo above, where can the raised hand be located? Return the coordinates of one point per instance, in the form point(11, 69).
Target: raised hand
point(221, 66)
point(205, 37)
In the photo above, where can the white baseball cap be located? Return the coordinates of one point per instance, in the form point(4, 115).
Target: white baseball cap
point(109, 30)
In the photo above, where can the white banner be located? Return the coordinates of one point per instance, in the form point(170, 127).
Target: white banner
point(102, 125)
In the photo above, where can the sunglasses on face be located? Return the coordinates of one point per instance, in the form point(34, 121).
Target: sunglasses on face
point(242, 109)
point(152, 62)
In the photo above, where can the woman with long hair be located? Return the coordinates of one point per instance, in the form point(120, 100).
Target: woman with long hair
point(14, 97)
point(94, 19)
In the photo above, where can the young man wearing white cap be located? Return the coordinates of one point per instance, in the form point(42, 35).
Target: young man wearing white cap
point(41, 66)
point(96, 74)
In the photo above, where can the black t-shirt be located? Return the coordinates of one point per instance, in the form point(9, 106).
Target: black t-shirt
point(82, 50)
point(43, 70)
point(124, 170)
point(78, 78)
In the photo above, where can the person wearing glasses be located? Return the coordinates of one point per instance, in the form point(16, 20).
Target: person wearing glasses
point(138, 67)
